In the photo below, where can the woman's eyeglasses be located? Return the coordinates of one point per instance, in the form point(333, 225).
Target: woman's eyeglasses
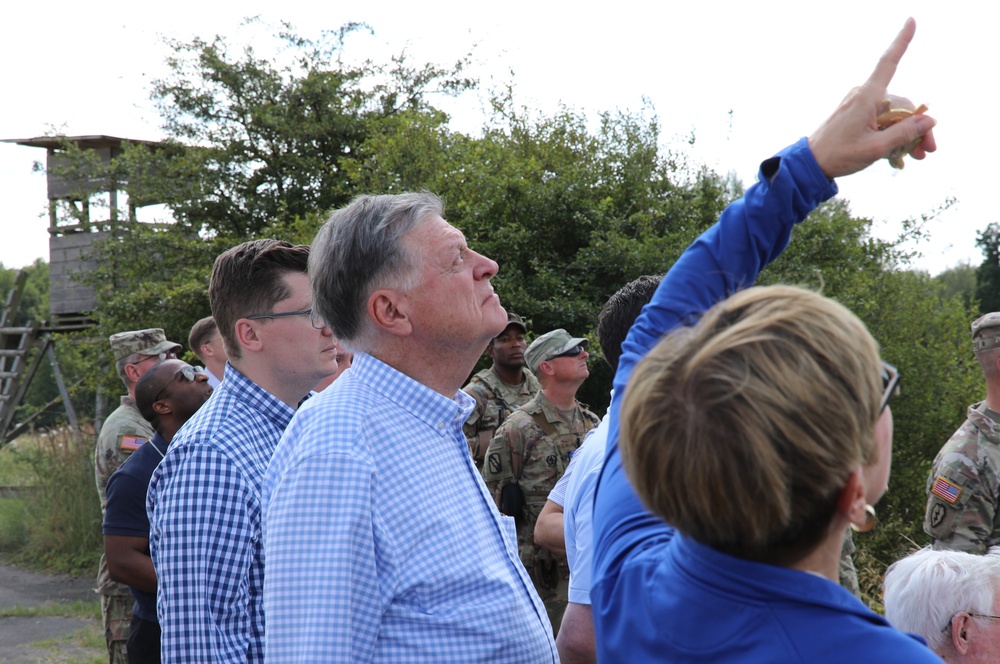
point(890, 384)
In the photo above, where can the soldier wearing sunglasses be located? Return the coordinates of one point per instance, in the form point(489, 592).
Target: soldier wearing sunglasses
point(124, 431)
point(532, 448)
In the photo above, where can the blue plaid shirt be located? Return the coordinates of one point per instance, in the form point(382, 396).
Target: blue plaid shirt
point(382, 543)
point(205, 537)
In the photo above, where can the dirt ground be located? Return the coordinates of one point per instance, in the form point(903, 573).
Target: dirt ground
point(31, 639)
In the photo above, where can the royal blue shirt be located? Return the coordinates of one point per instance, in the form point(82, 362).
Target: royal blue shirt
point(659, 596)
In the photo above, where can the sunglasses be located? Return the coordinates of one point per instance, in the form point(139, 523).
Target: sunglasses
point(187, 373)
point(170, 355)
point(314, 319)
point(572, 352)
point(890, 384)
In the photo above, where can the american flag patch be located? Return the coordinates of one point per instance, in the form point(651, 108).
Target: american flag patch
point(132, 442)
point(944, 489)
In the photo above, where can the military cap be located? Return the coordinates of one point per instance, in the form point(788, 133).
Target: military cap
point(549, 345)
point(986, 332)
point(517, 321)
point(142, 342)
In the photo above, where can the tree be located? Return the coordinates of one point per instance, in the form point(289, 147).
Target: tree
point(960, 279)
point(988, 273)
point(256, 147)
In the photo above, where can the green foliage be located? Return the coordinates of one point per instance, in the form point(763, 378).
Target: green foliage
point(63, 514)
point(988, 272)
point(960, 280)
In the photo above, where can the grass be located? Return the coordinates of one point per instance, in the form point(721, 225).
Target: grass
point(83, 646)
point(76, 609)
point(57, 527)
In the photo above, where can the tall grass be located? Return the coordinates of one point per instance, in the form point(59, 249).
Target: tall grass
point(60, 519)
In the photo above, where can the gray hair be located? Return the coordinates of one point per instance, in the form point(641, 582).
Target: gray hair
point(120, 363)
point(359, 250)
point(926, 588)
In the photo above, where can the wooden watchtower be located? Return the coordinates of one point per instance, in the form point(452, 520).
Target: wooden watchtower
point(72, 235)
point(72, 230)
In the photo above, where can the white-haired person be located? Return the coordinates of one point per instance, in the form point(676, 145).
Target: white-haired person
point(952, 599)
point(748, 431)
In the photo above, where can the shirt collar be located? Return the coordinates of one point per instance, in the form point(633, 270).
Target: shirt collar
point(238, 386)
point(416, 398)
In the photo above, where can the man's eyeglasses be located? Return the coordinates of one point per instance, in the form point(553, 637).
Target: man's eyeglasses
point(973, 615)
point(890, 384)
point(572, 352)
point(314, 318)
point(187, 373)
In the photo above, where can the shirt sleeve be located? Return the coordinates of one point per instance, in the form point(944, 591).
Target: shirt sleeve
point(126, 512)
point(558, 493)
point(333, 612)
point(751, 232)
point(202, 541)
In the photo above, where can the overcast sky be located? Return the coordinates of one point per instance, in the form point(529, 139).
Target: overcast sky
point(745, 82)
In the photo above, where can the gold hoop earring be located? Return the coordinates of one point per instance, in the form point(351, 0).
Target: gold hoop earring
point(870, 521)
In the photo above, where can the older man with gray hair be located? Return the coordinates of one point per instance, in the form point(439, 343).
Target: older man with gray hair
point(951, 599)
point(372, 488)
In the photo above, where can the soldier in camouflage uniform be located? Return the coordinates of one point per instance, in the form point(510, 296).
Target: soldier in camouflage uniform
point(123, 432)
point(963, 489)
point(500, 389)
point(532, 448)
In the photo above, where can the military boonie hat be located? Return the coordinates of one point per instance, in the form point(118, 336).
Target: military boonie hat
point(986, 332)
point(549, 345)
point(514, 319)
point(143, 342)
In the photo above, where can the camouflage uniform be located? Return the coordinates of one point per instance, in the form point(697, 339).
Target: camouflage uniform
point(123, 432)
point(846, 572)
point(495, 401)
point(963, 489)
point(532, 448)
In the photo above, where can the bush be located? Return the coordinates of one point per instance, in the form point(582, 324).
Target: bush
point(61, 526)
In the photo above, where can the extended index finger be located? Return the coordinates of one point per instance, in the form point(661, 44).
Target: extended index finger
point(886, 67)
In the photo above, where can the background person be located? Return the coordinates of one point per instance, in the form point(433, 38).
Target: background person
point(499, 389)
point(566, 520)
point(123, 432)
point(951, 599)
point(532, 448)
point(205, 341)
point(963, 488)
point(167, 396)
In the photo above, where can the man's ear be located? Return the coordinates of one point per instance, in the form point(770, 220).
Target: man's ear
point(162, 407)
point(388, 309)
point(247, 336)
point(960, 632)
point(132, 373)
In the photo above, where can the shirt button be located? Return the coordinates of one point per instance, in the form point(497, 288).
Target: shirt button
point(440, 425)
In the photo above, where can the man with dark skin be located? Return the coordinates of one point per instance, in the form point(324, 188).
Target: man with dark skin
point(167, 395)
point(499, 390)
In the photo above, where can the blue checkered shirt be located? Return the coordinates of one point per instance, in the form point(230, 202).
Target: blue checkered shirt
point(204, 514)
point(382, 543)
